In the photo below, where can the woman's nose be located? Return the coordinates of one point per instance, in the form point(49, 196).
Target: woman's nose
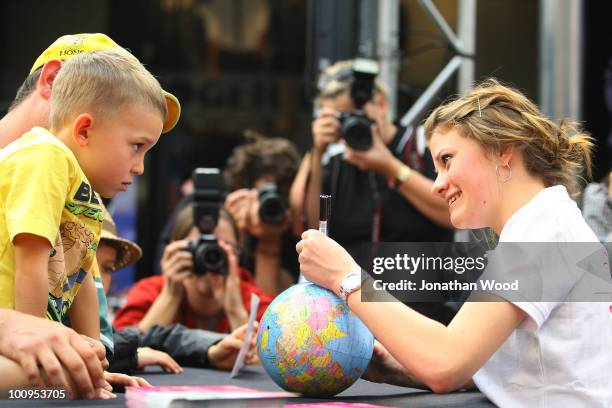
point(440, 185)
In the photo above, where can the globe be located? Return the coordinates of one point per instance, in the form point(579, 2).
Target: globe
point(311, 343)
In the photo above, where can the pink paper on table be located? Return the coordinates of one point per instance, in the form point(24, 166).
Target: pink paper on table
point(335, 405)
point(162, 396)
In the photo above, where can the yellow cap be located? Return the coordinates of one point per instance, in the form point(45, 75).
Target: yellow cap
point(68, 46)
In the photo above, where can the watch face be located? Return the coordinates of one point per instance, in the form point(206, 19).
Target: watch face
point(352, 281)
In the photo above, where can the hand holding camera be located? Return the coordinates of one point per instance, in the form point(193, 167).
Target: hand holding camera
point(377, 158)
point(226, 289)
point(352, 122)
point(208, 256)
point(262, 213)
point(176, 266)
point(325, 129)
point(238, 203)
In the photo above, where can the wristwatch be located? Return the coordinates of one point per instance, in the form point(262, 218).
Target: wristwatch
point(350, 283)
point(403, 174)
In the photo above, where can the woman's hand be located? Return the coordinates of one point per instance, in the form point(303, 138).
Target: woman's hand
point(325, 130)
point(223, 354)
point(238, 205)
point(176, 265)
point(227, 291)
point(148, 356)
point(323, 261)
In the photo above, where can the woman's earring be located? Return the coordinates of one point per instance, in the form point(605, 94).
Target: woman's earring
point(499, 177)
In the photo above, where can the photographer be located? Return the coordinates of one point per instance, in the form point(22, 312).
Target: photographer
point(259, 173)
point(378, 174)
point(183, 294)
point(167, 346)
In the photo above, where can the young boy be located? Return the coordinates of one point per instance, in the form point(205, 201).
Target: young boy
point(107, 111)
point(31, 108)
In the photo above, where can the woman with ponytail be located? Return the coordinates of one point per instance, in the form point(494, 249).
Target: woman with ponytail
point(501, 164)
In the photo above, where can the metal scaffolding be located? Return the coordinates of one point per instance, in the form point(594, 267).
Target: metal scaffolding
point(463, 46)
point(561, 58)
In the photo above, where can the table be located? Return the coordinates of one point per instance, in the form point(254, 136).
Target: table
point(255, 377)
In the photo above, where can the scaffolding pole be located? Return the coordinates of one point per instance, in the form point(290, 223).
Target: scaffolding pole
point(388, 42)
point(560, 58)
point(467, 36)
point(467, 21)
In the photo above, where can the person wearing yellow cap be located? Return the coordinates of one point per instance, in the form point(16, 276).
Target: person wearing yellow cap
point(106, 112)
point(33, 99)
point(31, 108)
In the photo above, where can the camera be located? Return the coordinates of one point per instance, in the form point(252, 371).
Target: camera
point(356, 129)
point(355, 125)
point(209, 192)
point(273, 204)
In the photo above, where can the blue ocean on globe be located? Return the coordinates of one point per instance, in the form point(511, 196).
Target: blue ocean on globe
point(311, 343)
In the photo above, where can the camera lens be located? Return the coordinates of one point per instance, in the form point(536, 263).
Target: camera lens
point(213, 257)
point(356, 131)
point(209, 257)
point(272, 204)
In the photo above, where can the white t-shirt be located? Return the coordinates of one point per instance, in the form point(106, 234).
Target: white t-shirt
point(561, 354)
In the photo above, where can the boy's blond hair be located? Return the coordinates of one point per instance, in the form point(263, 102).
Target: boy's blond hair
point(102, 83)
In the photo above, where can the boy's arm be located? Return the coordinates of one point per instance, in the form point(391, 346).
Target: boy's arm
point(84, 312)
point(40, 180)
point(31, 276)
point(106, 328)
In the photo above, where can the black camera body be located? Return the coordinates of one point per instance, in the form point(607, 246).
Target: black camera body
point(208, 256)
point(355, 125)
point(209, 192)
point(273, 204)
point(356, 129)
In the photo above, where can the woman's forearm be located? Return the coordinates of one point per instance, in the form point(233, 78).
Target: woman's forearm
point(267, 267)
point(162, 312)
point(443, 358)
point(237, 317)
point(313, 190)
point(417, 190)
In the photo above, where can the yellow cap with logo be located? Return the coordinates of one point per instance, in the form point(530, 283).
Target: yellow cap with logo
point(68, 46)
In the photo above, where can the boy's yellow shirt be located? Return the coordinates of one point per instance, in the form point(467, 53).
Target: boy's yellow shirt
point(43, 191)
